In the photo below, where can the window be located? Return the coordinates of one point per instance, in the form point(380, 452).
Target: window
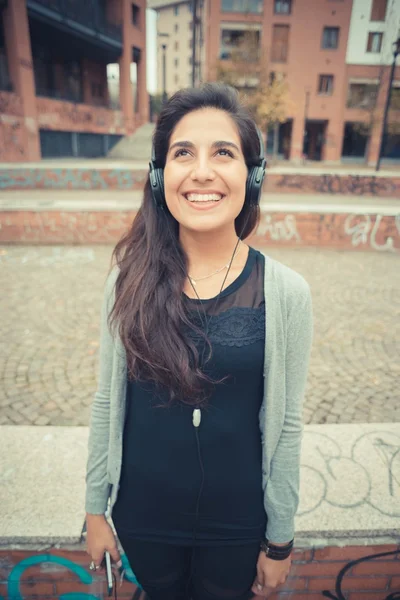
point(176, 10)
point(176, 27)
point(135, 15)
point(190, 60)
point(330, 38)
point(176, 62)
point(395, 98)
point(5, 82)
point(243, 43)
point(176, 78)
point(242, 6)
point(325, 85)
point(374, 43)
point(280, 43)
point(176, 46)
point(283, 7)
point(362, 95)
point(97, 90)
point(378, 10)
point(190, 43)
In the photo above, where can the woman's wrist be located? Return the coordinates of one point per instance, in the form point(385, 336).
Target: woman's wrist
point(277, 551)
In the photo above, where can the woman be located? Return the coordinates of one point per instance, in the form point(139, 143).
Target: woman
point(196, 425)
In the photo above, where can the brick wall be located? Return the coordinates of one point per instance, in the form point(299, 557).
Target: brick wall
point(349, 573)
point(330, 230)
point(12, 135)
point(126, 179)
point(66, 116)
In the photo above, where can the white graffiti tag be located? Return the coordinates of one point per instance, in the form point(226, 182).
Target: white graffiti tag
point(366, 231)
point(280, 230)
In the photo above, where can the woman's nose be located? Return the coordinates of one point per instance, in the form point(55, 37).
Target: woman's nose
point(203, 171)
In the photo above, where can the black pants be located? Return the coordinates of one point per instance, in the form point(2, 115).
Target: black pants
point(168, 572)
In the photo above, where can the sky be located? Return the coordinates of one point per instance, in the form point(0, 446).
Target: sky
point(151, 47)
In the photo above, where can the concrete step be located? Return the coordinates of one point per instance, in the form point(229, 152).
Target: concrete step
point(127, 200)
point(136, 146)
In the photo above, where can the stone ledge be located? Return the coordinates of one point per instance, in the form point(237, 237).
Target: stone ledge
point(350, 485)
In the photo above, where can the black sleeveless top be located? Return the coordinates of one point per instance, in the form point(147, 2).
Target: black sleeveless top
point(161, 469)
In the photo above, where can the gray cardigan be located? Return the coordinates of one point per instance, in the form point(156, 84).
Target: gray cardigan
point(289, 331)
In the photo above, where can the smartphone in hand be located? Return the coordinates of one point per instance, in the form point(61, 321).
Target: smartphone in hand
point(109, 574)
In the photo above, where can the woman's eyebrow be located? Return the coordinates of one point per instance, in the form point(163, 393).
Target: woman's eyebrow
point(218, 144)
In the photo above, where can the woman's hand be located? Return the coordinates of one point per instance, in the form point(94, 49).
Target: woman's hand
point(270, 574)
point(100, 537)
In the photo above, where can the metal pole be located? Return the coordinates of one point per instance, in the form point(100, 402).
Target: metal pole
point(194, 30)
point(387, 104)
point(164, 62)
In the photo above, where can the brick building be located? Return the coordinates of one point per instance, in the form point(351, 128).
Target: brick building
point(334, 54)
point(54, 92)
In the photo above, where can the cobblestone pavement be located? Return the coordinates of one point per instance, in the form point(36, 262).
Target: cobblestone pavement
point(49, 333)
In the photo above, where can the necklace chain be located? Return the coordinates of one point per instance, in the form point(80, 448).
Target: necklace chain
point(194, 281)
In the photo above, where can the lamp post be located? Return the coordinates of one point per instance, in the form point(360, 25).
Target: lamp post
point(396, 52)
point(164, 68)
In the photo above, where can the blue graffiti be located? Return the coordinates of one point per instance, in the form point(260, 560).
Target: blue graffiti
point(14, 579)
point(71, 179)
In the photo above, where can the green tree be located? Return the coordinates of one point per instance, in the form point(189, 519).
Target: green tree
point(266, 93)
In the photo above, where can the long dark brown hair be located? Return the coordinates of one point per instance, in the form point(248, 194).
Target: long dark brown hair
point(149, 309)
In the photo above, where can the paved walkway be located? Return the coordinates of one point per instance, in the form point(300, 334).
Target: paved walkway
point(123, 200)
point(49, 333)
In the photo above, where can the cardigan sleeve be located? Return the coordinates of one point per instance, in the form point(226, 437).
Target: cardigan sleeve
point(283, 488)
point(97, 484)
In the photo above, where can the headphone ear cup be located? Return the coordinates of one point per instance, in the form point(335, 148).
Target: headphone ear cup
point(157, 185)
point(253, 186)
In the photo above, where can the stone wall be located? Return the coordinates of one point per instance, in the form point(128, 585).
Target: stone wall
point(126, 179)
point(348, 573)
point(344, 231)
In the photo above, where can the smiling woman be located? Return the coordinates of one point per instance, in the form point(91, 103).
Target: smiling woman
point(196, 425)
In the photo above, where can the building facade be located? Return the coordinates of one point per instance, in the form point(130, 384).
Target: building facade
point(334, 54)
point(54, 92)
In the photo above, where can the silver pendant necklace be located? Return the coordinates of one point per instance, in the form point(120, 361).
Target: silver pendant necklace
point(194, 281)
point(196, 415)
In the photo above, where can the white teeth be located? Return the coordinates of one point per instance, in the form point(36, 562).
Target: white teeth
point(203, 197)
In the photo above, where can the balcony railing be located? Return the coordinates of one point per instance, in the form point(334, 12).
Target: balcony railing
point(90, 14)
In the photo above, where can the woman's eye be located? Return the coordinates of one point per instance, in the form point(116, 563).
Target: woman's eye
point(228, 152)
point(179, 152)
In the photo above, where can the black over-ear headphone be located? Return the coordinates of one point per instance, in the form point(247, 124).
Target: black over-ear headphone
point(254, 181)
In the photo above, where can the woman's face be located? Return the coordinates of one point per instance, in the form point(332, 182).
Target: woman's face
point(205, 171)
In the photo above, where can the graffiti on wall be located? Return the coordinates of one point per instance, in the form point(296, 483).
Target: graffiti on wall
point(85, 577)
point(375, 232)
point(11, 139)
point(279, 230)
point(364, 230)
point(57, 114)
point(357, 185)
point(16, 578)
point(339, 592)
point(10, 104)
point(71, 179)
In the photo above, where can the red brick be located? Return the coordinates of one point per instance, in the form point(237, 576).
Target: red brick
point(322, 583)
point(302, 555)
point(294, 583)
point(66, 587)
point(352, 552)
point(365, 583)
point(317, 569)
point(363, 596)
point(395, 583)
point(41, 588)
point(375, 567)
